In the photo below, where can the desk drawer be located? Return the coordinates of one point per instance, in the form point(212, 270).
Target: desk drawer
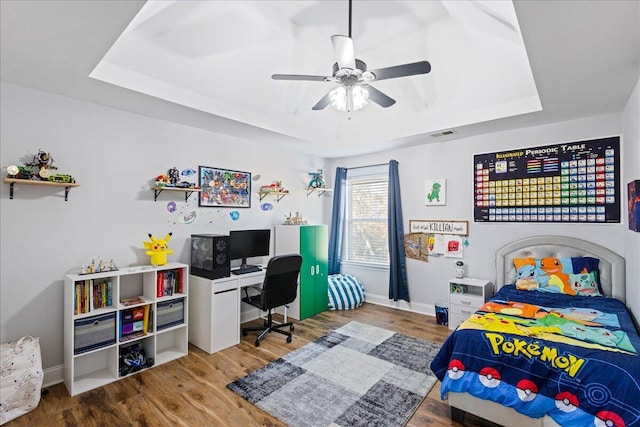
point(252, 280)
point(456, 319)
point(462, 310)
point(226, 285)
point(468, 300)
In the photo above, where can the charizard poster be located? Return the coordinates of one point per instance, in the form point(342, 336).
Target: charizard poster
point(571, 182)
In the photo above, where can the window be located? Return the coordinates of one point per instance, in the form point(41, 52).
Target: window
point(366, 216)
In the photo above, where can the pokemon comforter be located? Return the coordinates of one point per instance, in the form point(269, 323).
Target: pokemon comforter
point(576, 359)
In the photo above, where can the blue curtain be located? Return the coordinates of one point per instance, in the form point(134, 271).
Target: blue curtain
point(398, 284)
point(337, 221)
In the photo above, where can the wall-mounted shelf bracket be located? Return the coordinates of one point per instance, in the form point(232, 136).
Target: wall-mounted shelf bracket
point(187, 191)
point(278, 195)
point(67, 185)
point(321, 191)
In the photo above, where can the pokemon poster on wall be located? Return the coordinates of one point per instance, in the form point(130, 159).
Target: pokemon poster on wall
point(569, 182)
point(224, 188)
point(435, 191)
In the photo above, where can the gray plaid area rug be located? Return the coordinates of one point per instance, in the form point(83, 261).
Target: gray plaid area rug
point(358, 375)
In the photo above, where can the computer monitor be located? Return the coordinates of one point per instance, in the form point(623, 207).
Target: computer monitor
point(248, 244)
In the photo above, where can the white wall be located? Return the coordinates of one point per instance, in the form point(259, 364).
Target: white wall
point(453, 161)
point(631, 168)
point(114, 155)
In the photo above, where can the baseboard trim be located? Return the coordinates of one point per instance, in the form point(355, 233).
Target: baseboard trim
point(415, 307)
point(53, 376)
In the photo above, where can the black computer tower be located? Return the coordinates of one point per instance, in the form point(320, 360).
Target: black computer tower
point(210, 255)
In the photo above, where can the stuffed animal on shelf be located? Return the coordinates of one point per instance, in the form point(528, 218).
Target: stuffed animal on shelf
point(158, 249)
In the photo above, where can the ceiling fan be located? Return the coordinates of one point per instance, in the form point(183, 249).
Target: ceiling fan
point(354, 78)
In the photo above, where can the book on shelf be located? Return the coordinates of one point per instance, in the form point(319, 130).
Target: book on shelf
point(160, 284)
point(145, 320)
point(169, 282)
point(132, 336)
point(180, 281)
point(132, 301)
point(91, 295)
point(101, 294)
point(150, 317)
point(77, 302)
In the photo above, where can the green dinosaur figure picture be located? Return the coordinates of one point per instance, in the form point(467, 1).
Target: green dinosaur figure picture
point(435, 190)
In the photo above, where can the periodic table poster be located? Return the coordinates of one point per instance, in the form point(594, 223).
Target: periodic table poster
point(572, 182)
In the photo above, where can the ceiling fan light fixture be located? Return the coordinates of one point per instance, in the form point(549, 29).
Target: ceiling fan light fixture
point(351, 73)
point(349, 98)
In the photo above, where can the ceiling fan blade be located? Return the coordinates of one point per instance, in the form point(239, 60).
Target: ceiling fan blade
point(422, 67)
point(320, 105)
point(343, 50)
point(378, 97)
point(298, 77)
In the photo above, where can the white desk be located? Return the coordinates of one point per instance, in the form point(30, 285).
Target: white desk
point(215, 310)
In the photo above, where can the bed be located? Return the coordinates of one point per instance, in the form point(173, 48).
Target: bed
point(535, 366)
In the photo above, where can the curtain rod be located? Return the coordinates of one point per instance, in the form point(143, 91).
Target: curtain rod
point(368, 166)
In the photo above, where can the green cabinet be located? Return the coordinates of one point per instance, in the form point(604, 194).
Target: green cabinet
point(312, 242)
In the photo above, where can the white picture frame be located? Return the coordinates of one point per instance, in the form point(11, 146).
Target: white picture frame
point(435, 192)
point(438, 226)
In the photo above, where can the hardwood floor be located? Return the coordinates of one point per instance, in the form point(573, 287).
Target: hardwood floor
point(191, 391)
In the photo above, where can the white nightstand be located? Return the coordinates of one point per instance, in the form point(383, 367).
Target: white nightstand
point(466, 295)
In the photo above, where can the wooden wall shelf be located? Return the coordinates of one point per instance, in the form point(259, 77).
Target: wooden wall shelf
point(187, 191)
point(66, 185)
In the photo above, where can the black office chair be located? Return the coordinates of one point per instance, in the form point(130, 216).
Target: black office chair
point(279, 288)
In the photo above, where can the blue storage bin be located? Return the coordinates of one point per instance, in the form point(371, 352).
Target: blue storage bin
point(442, 314)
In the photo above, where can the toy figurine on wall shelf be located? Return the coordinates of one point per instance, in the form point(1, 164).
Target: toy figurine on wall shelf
point(158, 249)
point(174, 175)
point(294, 220)
point(39, 169)
point(21, 172)
point(172, 179)
point(275, 187)
point(59, 177)
point(43, 162)
point(162, 180)
point(317, 179)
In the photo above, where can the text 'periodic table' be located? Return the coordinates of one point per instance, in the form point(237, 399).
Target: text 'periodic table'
point(571, 182)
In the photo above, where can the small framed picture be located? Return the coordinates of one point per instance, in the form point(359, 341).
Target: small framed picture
point(224, 188)
point(436, 192)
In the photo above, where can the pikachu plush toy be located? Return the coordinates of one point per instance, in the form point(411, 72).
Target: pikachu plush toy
point(158, 249)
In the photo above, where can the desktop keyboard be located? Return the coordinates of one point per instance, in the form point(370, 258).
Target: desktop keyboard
point(245, 270)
